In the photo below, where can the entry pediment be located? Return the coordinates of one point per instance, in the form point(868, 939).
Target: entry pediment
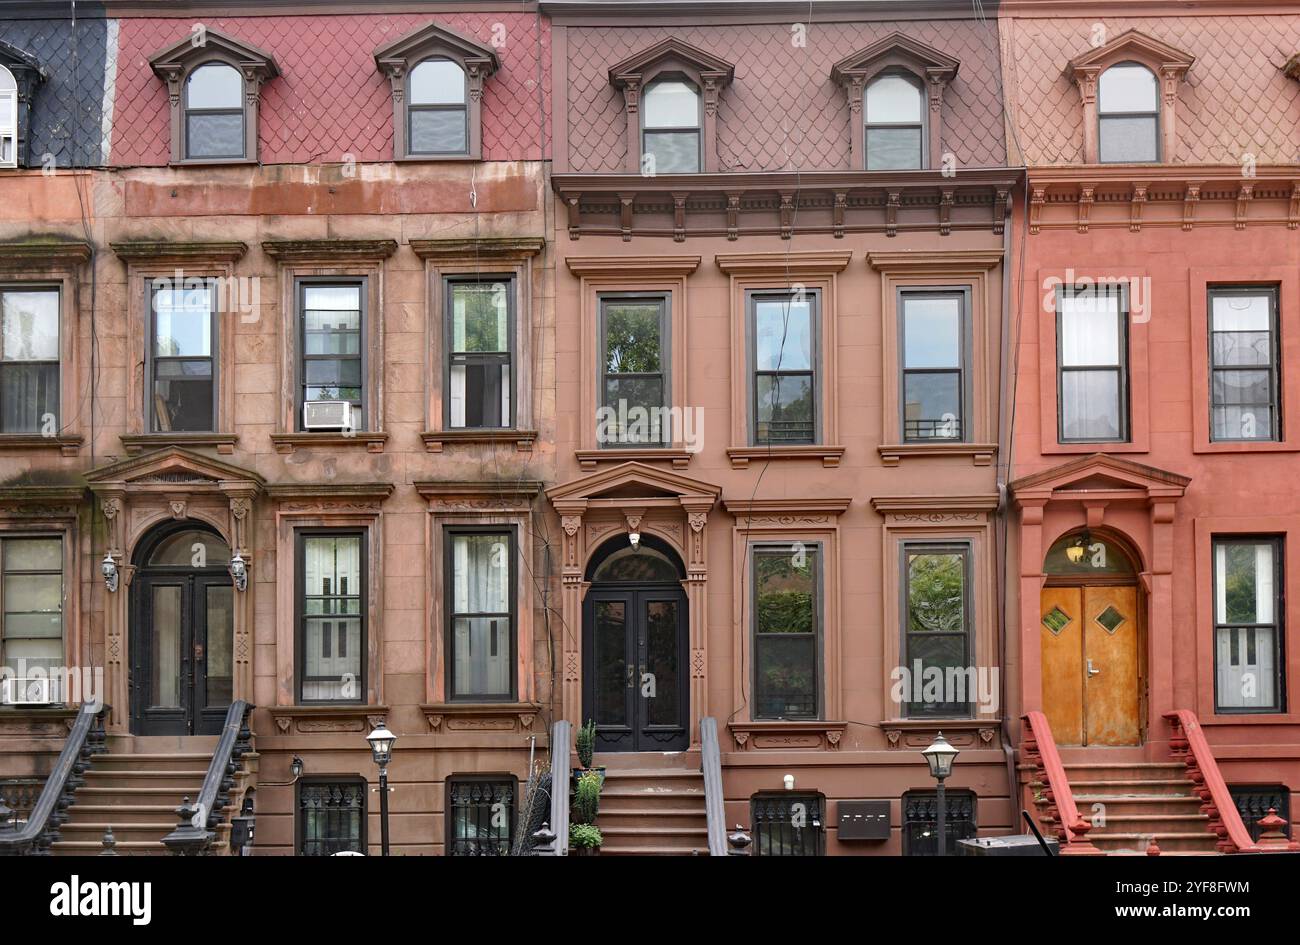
point(173, 467)
point(1100, 473)
point(631, 481)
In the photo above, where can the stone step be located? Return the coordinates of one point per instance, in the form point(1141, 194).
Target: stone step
point(650, 817)
point(1137, 842)
point(93, 848)
point(1135, 805)
point(123, 814)
point(1132, 787)
point(123, 833)
point(187, 761)
point(173, 780)
point(1126, 771)
point(1152, 823)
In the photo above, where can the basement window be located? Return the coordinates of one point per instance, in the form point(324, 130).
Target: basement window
point(788, 824)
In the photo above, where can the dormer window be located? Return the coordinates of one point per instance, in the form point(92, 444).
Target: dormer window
point(437, 78)
point(671, 129)
point(214, 91)
point(438, 110)
point(895, 132)
point(214, 112)
point(1128, 113)
point(8, 119)
point(20, 74)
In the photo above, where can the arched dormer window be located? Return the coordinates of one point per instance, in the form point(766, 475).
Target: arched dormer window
point(1129, 92)
point(670, 128)
point(214, 112)
point(8, 119)
point(20, 74)
point(670, 97)
point(895, 89)
point(437, 77)
point(895, 123)
point(1128, 115)
point(437, 110)
point(214, 92)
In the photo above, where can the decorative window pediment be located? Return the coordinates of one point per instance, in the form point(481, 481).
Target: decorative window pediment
point(893, 57)
point(437, 77)
point(697, 71)
point(213, 85)
point(20, 74)
point(1166, 63)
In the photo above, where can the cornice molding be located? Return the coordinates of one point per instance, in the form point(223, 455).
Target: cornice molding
point(26, 252)
point(883, 504)
point(326, 492)
point(748, 507)
point(802, 263)
point(927, 260)
point(152, 251)
point(638, 265)
point(497, 248)
point(331, 249)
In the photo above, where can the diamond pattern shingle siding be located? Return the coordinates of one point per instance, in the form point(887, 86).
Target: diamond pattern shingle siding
point(782, 111)
point(68, 107)
point(330, 99)
point(1235, 99)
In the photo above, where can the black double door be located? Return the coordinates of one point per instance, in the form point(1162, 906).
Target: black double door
point(635, 684)
point(182, 660)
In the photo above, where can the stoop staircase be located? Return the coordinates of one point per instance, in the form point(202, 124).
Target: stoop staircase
point(1140, 801)
point(652, 805)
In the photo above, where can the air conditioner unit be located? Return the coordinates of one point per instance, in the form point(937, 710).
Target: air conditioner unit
point(25, 690)
point(327, 415)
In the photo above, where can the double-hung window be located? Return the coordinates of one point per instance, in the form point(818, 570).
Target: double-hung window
point(332, 327)
point(31, 591)
point(1128, 115)
point(783, 352)
point(214, 112)
point(8, 119)
point(937, 629)
point(933, 326)
point(634, 371)
point(787, 628)
point(670, 136)
point(182, 394)
point(480, 349)
point(481, 613)
point(332, 616)
point(895, 130)
point(1248, 622)
point(438, 109)
point(1092, 364)
point(29, 359)
point(1245, 394)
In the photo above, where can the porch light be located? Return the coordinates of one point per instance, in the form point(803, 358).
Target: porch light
point(789, 782)
point(381, 744)
point(295, 767)
point(108, 568)
point(940, 756)
point(239, 572)
point(635, 539)
point(1076, 551)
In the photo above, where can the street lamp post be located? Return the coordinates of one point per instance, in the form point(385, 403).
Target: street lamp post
point(939, 756)
point(381, 749)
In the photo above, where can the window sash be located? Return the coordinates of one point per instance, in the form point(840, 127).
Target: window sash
point(1120, 368)
point(808, 432)
point(413, 110)
point(1272, 406)
point(24, 417)
point(155, 362)
point(191, 113)
point(924, 429)
point(349, 610)
point(9, 129)
point(659, 434)
point(496, 368)
point(912, 638)
point(479, 684)
point(304, 359)
point(1250, 648)
point(39, 649)
point(809, 642)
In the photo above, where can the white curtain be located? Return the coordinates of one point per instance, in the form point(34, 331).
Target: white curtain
point(481, 585)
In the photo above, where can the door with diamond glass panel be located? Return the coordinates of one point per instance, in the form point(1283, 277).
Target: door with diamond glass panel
point(1091, 664)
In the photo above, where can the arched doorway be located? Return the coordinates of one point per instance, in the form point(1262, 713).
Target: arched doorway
point(182, 619)
point(635, 645)
point(1092, 642)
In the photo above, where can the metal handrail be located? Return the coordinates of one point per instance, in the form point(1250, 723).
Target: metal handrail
point(41, 829)
point(711, 763)
point(195, 834)
point(561, 741)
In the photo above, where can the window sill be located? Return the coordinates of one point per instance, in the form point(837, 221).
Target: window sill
point(1056, 448)
point(67, 445)
point(211, 162)
point(289, 442)
point(452, 717)
point(141, 442)
point(1255, 446)
point(919, 733)
point(590, 459)
point(435, 440)
point(432, 158)
point(319, 719)
point(741, 456)
point(981, 454)
point(805, 733)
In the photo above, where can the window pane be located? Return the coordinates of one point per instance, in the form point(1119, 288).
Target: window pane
point(936, 593)
point(482, 818)
point(1253, 422)
point(31, 627)
point(331, 607)
point(671, 105)
point(634, 414)
point(1090, 328)
point(31, 326)
point(932, 332)
point(481, 656)
point(1128, 140)
point(479, 316)
point(611, 662)
point(33, 554)
point(333, 372)
point(1244, 582)
point(214, 135)
point(183, 322)
point(165, 658)
point(893, 100)
point(214, 86)
point(481, 645)
point(192, 549)
point(437, 82)
point(1242, 313)
point(28, 394)
point(480, 394)
point(661, 655)
point(785, 681)
point(1246, 666)
point(893, 149)
point(1242, 388)
point(439, 131)
point(932, 406)
point(782, 335)
point(785, 588)
point(632, 337)
point(1090, 405)
point(481, 573)
point(1126, 88)
point(785, 411)
point(182, 396)
point(674, 152)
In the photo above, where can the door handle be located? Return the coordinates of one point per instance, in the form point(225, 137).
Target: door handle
point(631, 676)
point(1091, 670)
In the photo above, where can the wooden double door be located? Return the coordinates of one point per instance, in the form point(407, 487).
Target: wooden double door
point(1092, 663)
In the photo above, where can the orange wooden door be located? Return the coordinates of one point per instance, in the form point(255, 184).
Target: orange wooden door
point(1061, 626)
point(1110, 652)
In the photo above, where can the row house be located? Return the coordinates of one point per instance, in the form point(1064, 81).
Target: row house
point(1154, 538)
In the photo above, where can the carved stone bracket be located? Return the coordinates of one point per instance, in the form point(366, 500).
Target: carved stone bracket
point(449, 718)
point(788, 735)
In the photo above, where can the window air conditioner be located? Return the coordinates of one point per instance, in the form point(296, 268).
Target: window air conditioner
point(327, 415)
point(20, 690)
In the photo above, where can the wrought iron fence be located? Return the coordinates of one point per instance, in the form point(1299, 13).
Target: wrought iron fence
point(482, 817)
point(920, 832)
point(788, 824)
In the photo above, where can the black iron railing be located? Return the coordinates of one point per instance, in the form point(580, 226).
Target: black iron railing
point(920, 822)
point(918, 429)
point(196, 834)
point(50, 812)
point(20, 796)
point(788, 824)
point(482, 817)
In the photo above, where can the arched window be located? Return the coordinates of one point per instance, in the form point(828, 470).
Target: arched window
point(895, 134)
point(8, 119)
point(670, 128)
point(1128, 115)
point(192, 548)
point(437, 111)
point(1085, 553)
point(214, 112)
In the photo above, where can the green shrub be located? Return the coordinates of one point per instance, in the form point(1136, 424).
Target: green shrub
point(586, 800)
point(586, 743)
point(585, 835)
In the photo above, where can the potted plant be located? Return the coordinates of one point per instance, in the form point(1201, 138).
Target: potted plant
point(586, 798)
point(585, 743)
point(585, 839)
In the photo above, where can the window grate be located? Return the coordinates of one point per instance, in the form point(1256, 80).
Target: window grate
point(331, 816)
point(482, 817)
point(788, 824)
point(920, 825)
point(1253, 803)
